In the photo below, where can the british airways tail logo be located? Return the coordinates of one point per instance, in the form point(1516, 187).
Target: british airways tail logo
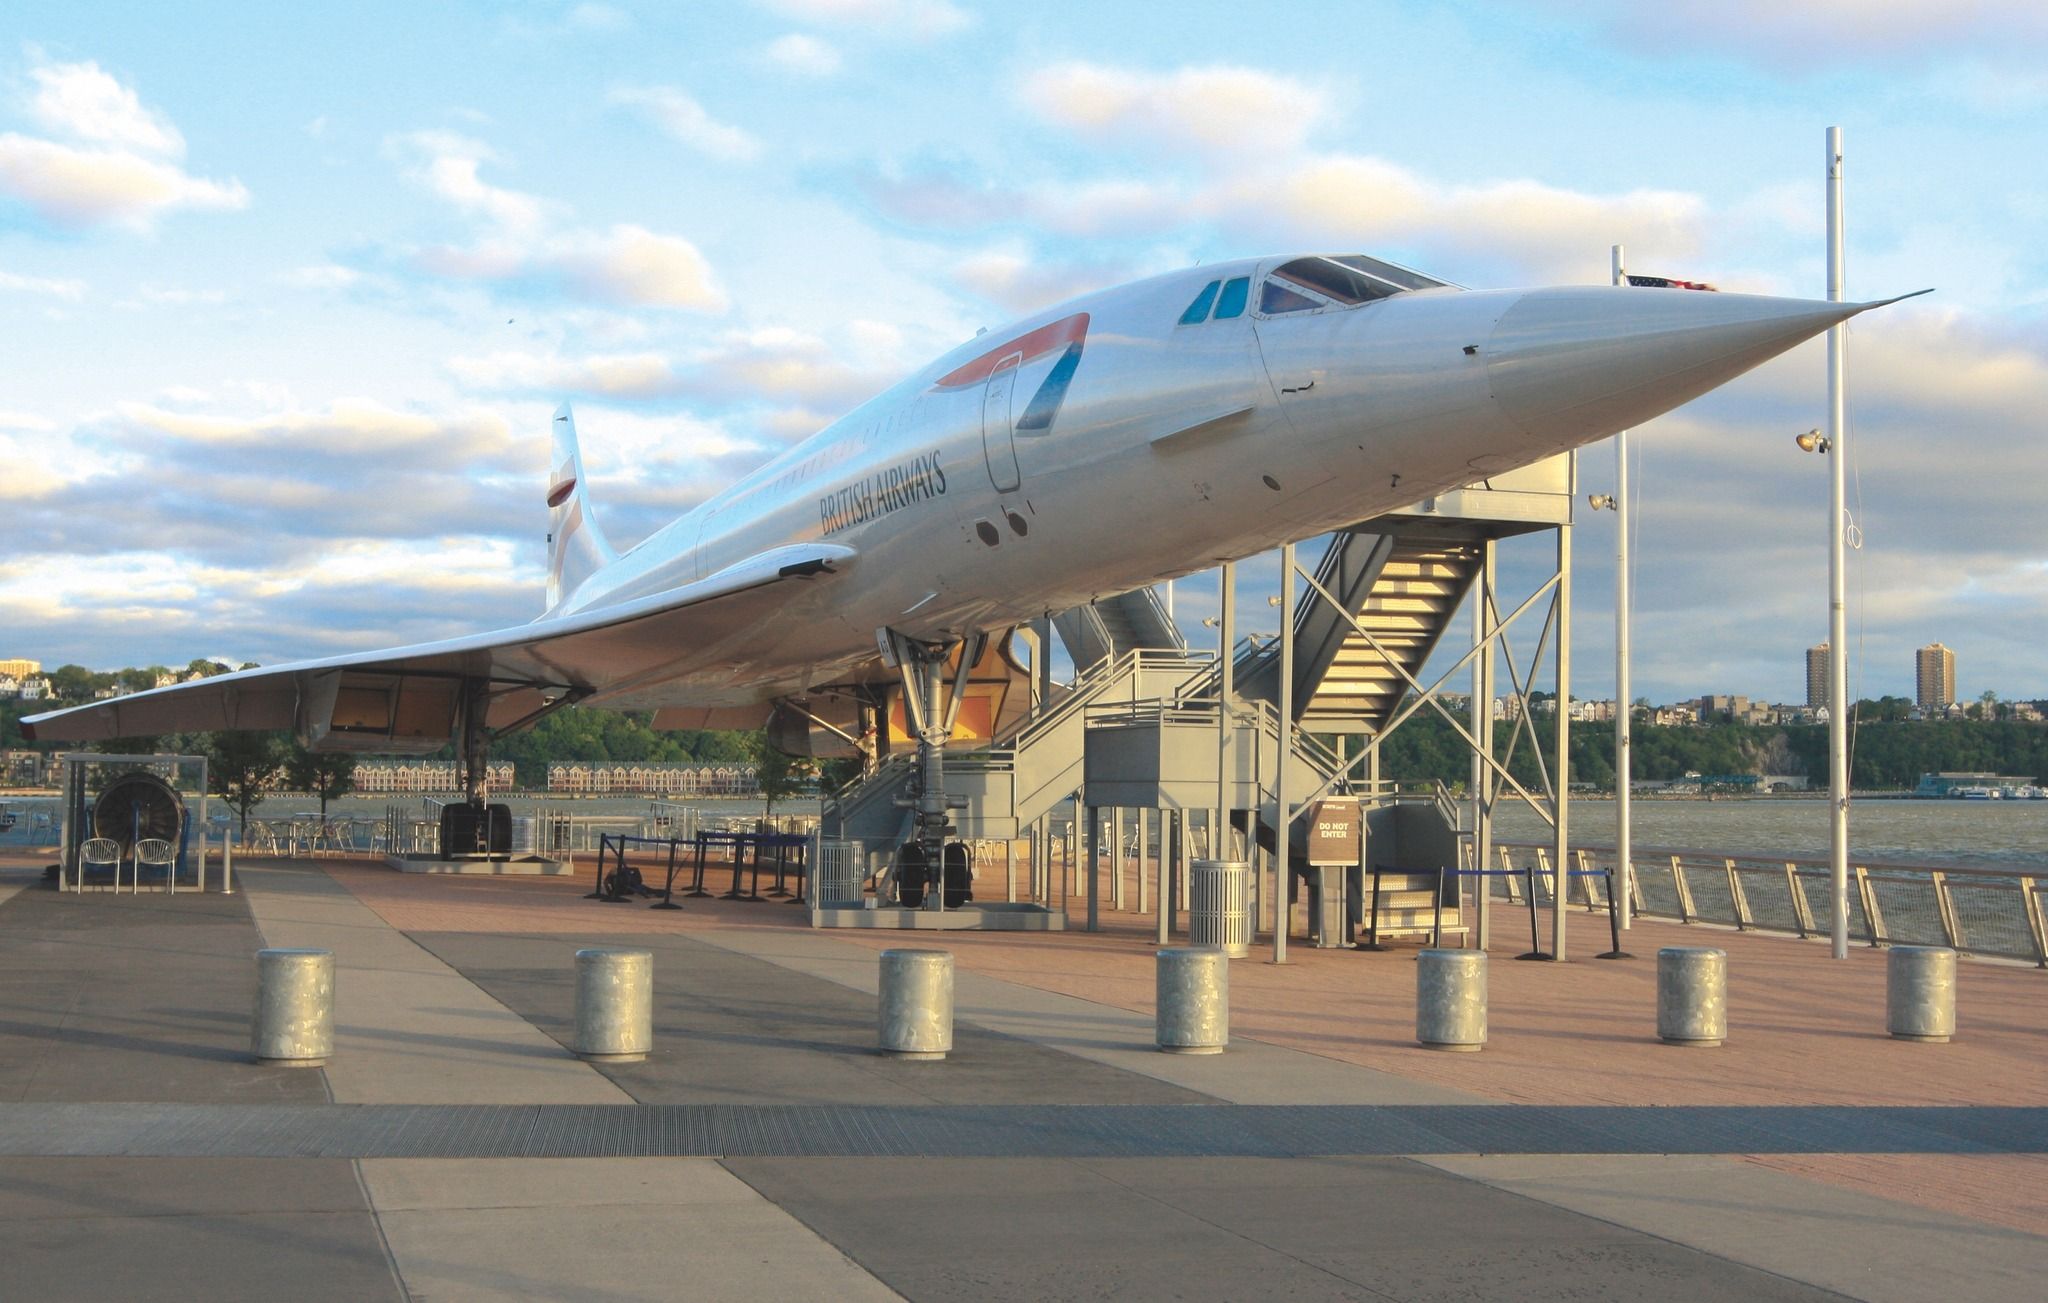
point(1067, 337)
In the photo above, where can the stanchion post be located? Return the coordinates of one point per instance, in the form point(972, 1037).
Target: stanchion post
point(227, 862)
point(1614, 917)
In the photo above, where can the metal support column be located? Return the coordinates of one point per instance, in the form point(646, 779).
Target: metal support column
point(1838, 561)
point(1624, 724)
point(1094, 861)
point(1116, 841)
point(1144, 847)
point(1561, 794)
point(1284, 788)
point(1163, 896)
point(1482, 733)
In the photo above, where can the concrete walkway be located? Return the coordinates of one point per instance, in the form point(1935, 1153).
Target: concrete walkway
point(458, 992)
point(407, 1028)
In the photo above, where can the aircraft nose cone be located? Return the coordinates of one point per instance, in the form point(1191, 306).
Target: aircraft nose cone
point(1574, 365)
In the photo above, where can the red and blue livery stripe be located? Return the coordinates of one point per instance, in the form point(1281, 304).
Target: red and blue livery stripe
point(1067, 336)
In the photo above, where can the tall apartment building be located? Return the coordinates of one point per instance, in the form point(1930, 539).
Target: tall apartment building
point(1934, 677)
point(1817, 676)
point(20, 668)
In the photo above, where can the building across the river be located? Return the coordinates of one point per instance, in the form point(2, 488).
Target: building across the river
point(407, 776)
point(662, 777)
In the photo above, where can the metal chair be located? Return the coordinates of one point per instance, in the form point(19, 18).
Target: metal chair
point(158, 854)
point(100, 853)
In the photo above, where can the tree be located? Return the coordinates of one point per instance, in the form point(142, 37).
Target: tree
point(780, 774)
point(325, 774)
point(73, 683)
point(239, 766)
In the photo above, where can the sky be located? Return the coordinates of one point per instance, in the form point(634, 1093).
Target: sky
point(287, 293)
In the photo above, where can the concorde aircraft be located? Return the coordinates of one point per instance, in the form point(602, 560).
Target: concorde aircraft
point(1117, 440)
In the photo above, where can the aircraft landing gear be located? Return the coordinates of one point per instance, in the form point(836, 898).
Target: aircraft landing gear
point(931, 715)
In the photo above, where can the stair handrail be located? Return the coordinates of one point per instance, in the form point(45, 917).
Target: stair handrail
point(1089, 686)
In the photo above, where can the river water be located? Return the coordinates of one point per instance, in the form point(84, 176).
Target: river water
point(1990, 834)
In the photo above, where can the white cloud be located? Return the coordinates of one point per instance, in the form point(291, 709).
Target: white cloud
point(915, 18)
point(89, 187)
point(772, 365)
point(1520, 229)
point(1543, 229)
point(347, 428)
point(631, 264)
point(684, 120)
point(27, 422)
point(114, 161)
point(520, 241)
point(83, 102)
point(804, 55)
point(448, 164)
point(48, 286)
point(1208, 108)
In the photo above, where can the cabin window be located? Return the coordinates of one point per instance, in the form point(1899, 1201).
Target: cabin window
point(1198, 311)
point(1235, 292)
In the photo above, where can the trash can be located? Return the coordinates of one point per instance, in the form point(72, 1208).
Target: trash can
point(1220, 906)
point(841, 875)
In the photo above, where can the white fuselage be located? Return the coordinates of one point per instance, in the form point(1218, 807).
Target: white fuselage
point(1172, 447)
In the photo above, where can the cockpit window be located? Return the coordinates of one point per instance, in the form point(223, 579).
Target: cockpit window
point(1198, 311)
point(1310, 283)
point(1388, 272)
point(1275, 298)
point(1235, 292)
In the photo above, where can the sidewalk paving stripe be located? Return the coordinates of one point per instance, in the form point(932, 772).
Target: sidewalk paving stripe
point(939, 1130)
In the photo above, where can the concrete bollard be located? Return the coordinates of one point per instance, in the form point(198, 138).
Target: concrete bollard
point(614, 1004)
point(1692, 995)
point(294, 1022)
point(1450, 999)
point(1193, 1001)
point(915, 1004)
point(1920, 993)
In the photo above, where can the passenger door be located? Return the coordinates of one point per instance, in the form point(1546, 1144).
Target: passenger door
point(998, 425)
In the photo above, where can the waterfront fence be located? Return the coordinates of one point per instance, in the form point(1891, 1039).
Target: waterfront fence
point(1997, 913)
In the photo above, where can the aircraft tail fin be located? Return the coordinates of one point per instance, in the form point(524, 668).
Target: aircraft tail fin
point(577, 547)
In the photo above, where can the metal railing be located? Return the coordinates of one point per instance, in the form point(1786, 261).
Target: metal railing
point(1996, 913)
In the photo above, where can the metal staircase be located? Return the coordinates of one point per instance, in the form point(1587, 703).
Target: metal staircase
point(1107, 628)
point(1009, 786)
point(1359, 682)
point(1404, 590)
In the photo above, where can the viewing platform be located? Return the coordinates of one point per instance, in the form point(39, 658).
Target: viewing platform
point(453, 1146)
